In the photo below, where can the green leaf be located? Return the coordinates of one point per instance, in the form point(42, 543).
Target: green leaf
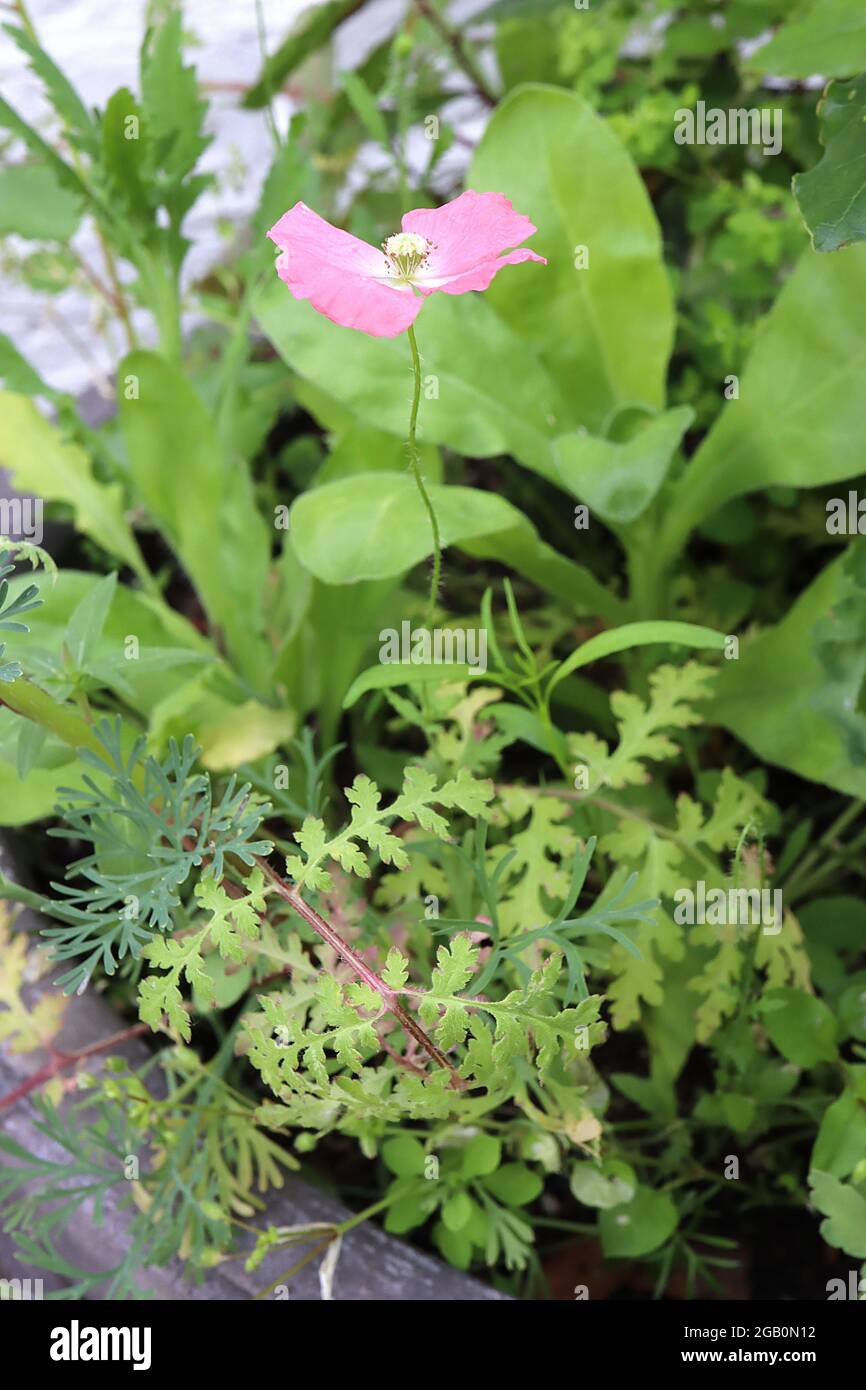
point(404, 1156)
point(618, 481)
point(41, 463)
point(18, 375)
point(841, 1140)
point(123, 157)
point(88, 619)
point(408, 1212)
point(644, 634)
point(800, 1026)
point(832, 196)
point(611, 1185)
point(481, 1156)
point(365, 108)
point(826, 36)
point(514, 1184)
point(61, 94)
point(457, 1211)
point(494, 396)
point(203, 502)
point(778, 688)
point(845, 1210)
point(604, 332)
point(798, 421)
point(35, 206)
point(396, 971)
point(56, 766)
point(455, 966)
point(639, 1226)
point(309, 33)
point(393, 673)
point(374, 525)
point(173, 115)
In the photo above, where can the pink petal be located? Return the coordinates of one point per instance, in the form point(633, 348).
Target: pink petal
point(468, 237)
point(343, 277)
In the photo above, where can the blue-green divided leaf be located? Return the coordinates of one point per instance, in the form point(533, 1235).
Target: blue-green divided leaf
point(832, 196)
point(619, 480)
point(605, 330)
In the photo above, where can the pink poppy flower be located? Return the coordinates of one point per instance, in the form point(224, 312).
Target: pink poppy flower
point(454, 248)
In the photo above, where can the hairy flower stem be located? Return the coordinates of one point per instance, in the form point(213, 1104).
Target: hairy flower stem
point(361, 969)
point(414, 464)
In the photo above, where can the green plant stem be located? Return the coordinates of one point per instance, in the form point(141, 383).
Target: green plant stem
point(414, 464)
point(26, 699)
point(459, 49)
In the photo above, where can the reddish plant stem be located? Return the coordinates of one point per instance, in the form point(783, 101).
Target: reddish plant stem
point(61, 1060)
point(361, 969)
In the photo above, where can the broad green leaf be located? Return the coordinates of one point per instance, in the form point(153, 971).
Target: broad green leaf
point(244, 733)
point(604, 332)
point(774, 695)
point(638, 1226)
point(514, 1184)
point(203, 502)
point(42, 463)
point(35, 206)
point(832, 196)
point(622, 639)
point(801, 416)
point(404, 1156)
point(374, 525)
point(799, 1025)
point(826, 36)
point(481, 1156)
point(618, 481)
point(606, 1186)
point(494, 397)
